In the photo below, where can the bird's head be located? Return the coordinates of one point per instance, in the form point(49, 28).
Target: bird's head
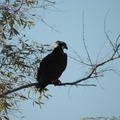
point(60, 44)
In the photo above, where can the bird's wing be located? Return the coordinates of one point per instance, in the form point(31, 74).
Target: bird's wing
point(63, 62)
point(52, 65)
point(49, 59)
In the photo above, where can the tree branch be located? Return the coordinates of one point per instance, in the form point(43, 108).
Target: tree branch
point(34, 84)
point(84, 40)
point(16, 89)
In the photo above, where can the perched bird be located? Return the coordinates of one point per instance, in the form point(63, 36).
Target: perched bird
point(52, 66)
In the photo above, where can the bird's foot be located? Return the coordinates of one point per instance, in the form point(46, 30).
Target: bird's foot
point(56, 82)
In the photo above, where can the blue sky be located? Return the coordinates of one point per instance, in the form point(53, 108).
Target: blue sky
point(73, 103)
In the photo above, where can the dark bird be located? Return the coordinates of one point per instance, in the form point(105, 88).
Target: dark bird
point(52, 66)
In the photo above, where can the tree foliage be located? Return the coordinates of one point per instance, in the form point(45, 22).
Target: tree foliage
point(100, 118)
point(19, 56)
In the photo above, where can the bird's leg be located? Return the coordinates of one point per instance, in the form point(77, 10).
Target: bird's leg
point(56, 82)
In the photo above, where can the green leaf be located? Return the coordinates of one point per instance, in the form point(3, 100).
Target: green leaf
point(15, 5)
point(11, 23)
point(15, 31)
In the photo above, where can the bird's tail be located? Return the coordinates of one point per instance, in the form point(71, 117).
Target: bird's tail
point(41, 86)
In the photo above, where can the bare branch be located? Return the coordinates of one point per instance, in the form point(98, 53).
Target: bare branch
point(84, 40)
point(108, 38)
point(80, 59)
point(100, 52)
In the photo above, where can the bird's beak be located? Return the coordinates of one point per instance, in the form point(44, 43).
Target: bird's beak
point(66, 47)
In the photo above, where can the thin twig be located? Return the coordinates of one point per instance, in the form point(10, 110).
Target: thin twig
point(80, 59)
point(100, 52)
point(84, 40)
point(108, 38)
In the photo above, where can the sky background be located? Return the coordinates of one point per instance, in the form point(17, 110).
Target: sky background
point(71, 102)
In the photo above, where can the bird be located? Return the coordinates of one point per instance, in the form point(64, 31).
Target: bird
point(52, 66)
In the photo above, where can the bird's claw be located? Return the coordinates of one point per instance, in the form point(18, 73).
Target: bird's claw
point(56, 82)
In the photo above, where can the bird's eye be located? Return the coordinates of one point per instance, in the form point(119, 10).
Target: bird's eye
point(63, 46)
